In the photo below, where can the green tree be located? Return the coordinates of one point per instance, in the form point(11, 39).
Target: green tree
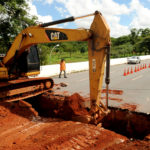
point(13, 18)
point(82, 50)
point(134, 35)
point(145, 32)
point(143, 45)
point(120, 40)
point(121, 46)
point(121, 50)
point(44, 54)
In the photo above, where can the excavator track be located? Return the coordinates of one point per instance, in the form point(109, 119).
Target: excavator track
point(24, 88)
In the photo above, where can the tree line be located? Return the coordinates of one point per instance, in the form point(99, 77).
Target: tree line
point(136, 43)
point(14, 17)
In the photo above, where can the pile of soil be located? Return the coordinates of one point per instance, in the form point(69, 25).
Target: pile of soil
point(66, 107)
point(22, 129)
point(72, 106)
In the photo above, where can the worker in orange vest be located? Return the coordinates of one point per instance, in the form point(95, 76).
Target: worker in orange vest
point(62, 68)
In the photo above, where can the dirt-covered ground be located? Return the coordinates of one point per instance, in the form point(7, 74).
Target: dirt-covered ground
point(21, 128)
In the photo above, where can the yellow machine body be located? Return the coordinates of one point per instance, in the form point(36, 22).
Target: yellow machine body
point(98, 37)
point(3, 73)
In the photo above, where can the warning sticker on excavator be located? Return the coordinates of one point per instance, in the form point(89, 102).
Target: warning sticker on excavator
point(54, 35)
point(94, 65)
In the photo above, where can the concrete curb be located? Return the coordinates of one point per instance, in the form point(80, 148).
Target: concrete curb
point(52, 70)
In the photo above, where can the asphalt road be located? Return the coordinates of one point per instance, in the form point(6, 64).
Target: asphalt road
point(135, 87)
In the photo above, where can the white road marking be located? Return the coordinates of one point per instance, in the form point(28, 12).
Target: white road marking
point(137, 77)
point(84, 79)
point(112, 71)
point(148, 99)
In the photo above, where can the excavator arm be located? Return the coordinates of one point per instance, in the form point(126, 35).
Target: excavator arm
point(98, 37)
point(98, 51)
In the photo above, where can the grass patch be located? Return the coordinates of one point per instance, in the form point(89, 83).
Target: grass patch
point(69, 57)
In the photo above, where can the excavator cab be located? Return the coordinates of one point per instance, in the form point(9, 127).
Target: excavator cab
point(29, 60)
point(28, 63)
point(1, 57)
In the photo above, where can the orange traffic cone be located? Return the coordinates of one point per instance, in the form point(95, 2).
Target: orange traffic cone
point(124, 72)
point(149, 66)
point(141, 67)
point(145, 66)
point(135, 69)
point(131, 70)
point(128, 71)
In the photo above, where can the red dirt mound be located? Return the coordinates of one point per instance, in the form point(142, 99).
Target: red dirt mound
point(72, 106)
point(63, 107)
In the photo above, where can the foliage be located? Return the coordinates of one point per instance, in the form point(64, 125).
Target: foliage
point(133, 36)
point(13, 18)
point(121, 47)
point(143, 45)
point(123, 50)
point(82, 50)
point(70, 51)
point(44, 53)
point(120, 40)
point(144, 32)
point(76, 57)
point(136, 43)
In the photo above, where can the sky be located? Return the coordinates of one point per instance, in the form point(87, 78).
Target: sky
point(121, 15)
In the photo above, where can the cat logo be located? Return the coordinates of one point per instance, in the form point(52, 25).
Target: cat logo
point(55, 35)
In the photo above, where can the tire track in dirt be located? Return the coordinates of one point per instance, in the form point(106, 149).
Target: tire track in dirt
point(68, 135)
point(9, 131)
point(21, 132)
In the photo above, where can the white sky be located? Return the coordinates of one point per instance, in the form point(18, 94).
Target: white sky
point(121, 15)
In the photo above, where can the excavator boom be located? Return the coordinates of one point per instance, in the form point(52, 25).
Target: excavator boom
point(36, 35)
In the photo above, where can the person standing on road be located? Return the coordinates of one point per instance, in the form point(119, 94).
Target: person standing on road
point(62, 68)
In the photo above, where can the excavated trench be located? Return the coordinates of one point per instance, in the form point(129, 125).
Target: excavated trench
point(131, 124)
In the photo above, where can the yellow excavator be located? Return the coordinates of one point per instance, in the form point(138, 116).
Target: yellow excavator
point(22, 60)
